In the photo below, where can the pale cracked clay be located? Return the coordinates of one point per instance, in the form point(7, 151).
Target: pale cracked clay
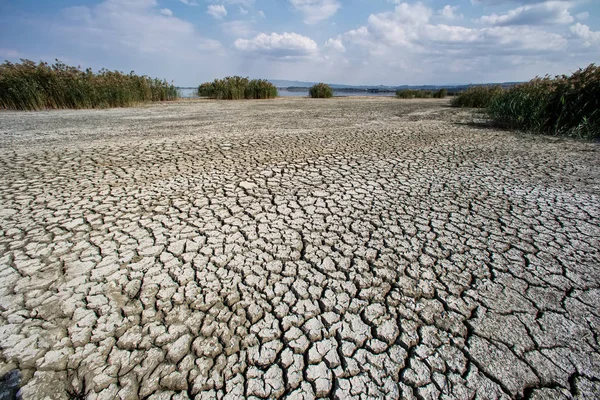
point(345, 248)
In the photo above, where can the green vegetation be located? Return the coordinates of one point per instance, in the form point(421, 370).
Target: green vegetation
point(31, 86)
point(441, 94)
point(237, 88)
point(320, 91)
point(476, 96)
point(421, 94)
point(564, 105)
point(414, 94)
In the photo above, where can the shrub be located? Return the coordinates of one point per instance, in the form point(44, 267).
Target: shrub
point(564, 105)
point(414, 94)
point(237, 88)
point(476, 96)
point(321, 91)
point(206, 90)
point(260, 89)
point(441, 94)
point(31, 86)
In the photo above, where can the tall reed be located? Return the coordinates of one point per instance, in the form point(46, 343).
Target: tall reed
point(476, 96)
point(31, 86)
point(563, 105)
point(237, 88)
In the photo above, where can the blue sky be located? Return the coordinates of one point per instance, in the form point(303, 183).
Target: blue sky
point(390, 42)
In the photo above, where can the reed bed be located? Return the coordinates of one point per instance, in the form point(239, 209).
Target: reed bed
point(320, 91)
point(563, 105)
point(31, 86)
point(421, 94)
point(237, 88)
point(476, 96)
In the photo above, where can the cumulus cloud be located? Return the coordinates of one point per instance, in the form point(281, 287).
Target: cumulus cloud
point(316, 10)
point(584, 32)
point(189, 2)
point(450, 13)
point(335, 44)
point(411, 42)
point(131, 25)
point(408, 39)
point(280, 46)
point(217, 11)
point(546, 13)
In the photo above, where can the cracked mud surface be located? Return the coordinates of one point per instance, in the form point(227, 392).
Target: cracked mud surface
point(347, 248)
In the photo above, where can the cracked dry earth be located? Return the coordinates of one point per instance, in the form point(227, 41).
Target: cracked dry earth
point(346, 248)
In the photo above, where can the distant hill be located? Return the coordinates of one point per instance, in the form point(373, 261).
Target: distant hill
point(381, 88)
point(303, 86)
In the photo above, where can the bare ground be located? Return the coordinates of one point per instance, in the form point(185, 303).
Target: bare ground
point(344, 248)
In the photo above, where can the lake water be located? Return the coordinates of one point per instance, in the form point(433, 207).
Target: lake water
point(191, 93)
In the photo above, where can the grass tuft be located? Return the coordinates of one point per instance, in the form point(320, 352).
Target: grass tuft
point(320, 91)
point(31, 86)
point(237, 88)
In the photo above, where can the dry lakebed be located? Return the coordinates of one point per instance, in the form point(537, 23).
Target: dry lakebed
point(350, 248)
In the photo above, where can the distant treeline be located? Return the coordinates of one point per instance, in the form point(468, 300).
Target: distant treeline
point(31, 86)
point(237, 88)
point(567, 105)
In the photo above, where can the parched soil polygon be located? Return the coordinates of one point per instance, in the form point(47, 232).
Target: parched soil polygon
point(342, 248)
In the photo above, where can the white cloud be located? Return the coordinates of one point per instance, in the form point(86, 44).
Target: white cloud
point(316, 10)
point(582, 16)
point(285, 46)
point(411, 43)
point(335, 44)
point(134, 27)
point(584, 32)
point(450, 13)
point(243, 11)
point(407, 40)
point(217, 11)
point(189, 2)
point(261, 14)
point(546, 13)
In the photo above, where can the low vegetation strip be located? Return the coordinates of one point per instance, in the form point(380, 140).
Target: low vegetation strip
point(421, 94)
point(31, 86)
point(563, 105)
point(237, 88)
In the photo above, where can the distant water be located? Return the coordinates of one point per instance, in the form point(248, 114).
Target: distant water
point(188, 93)
point(191, 93)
